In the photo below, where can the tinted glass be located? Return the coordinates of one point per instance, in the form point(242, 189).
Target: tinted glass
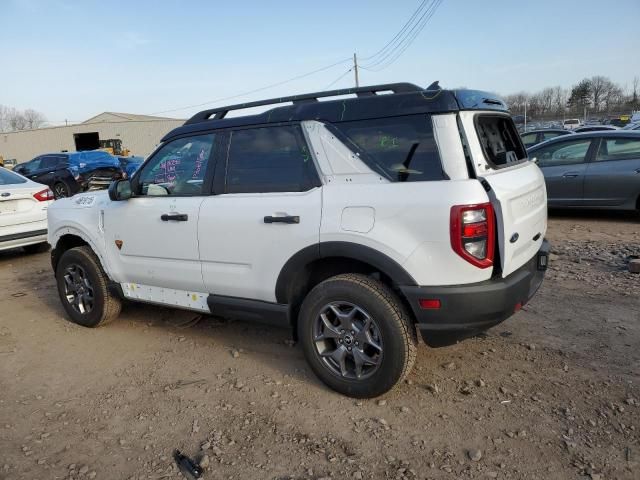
point(563, 153)
point(618, 149)
point(272, 159)
point(32, 165)
point(529, 139)
point(549, 135)
point(500, 141)
point(48, 161)
point(10, 178)
point(178, 168)
point(402, 149)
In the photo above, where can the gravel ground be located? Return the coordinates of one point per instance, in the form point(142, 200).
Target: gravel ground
point(551, 393)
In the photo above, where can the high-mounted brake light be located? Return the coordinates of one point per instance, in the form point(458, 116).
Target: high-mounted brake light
point(44, 195)
point(473, 233)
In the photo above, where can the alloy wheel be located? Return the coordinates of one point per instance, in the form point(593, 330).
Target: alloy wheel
point(348, 340)
point(78, 289)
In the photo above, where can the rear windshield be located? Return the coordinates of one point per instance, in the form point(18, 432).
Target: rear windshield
point(402, 149)
point(500, 140)
point(10, 178)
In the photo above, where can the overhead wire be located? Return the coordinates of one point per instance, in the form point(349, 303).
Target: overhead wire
point(266, 87)
point(338, 79)
point(391, 56)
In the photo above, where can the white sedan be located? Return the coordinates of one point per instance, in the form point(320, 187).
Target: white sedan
point(23, 212)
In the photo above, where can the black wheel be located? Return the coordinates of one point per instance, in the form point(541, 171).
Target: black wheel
point(356, 335)
point(82, 286)
point(37, 248)
point(61, 190)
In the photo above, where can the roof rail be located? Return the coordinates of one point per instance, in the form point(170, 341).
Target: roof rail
point(221, 112)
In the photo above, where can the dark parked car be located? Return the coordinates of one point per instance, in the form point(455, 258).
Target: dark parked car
point(594, 128)
point(591, 170)
point(534, 137)
point(130, 164)
point(69, 173)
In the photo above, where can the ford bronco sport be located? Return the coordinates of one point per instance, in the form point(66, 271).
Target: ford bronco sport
point(360, 222)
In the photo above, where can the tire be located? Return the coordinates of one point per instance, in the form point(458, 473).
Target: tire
point(37, 248)
point(61, 190)
point(389, 344)
point(82, 287)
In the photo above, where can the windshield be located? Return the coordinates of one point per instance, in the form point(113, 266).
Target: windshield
point(10, 178)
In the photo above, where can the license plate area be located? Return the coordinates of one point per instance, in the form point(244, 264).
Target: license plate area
point(8, 206)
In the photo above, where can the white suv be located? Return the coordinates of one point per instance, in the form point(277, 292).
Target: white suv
point(358, 222)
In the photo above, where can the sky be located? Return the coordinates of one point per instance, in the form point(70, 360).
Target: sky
point(74, 59)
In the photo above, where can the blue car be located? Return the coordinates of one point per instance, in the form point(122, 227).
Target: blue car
point(129, 165)
point(68, 173)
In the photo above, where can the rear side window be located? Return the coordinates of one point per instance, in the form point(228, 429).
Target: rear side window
point(270, 159)
point(49, 161)
point(402, 149)
point(618, 149)
point(500, 141)
point(530, 139)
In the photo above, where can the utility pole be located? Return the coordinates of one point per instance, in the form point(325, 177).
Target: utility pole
point(525, 115)
point(355, 69)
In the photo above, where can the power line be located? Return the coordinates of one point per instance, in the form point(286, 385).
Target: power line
point(408, 38)
point(298, 77)
point(338, 79)
point(415, 13)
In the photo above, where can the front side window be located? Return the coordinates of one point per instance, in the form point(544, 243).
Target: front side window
point(618, 149)
point(563, 153)
point(178, 168)
point(403, 149)
point(270, 159)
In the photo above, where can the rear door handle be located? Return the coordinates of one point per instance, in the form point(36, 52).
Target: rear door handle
point(284, 219)
point(174, 217)
point(570, 175)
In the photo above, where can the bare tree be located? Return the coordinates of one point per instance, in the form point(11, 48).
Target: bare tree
point(4, 120)
point(33, 119)
point(635, 93)
point(16, 120)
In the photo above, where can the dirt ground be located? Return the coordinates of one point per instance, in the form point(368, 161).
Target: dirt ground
point(552, 393)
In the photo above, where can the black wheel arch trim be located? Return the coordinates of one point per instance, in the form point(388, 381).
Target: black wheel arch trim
point(354, 251)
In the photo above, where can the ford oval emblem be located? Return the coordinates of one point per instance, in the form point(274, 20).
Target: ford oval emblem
point(514, 238)
point(4, 194)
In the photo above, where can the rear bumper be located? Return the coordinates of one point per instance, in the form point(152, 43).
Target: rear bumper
point(23, 239)
point(466, 310)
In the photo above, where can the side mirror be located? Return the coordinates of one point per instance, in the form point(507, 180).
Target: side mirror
point(535, 160)
point(120, 190)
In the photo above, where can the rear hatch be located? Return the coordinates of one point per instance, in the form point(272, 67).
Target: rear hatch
point(514, 184)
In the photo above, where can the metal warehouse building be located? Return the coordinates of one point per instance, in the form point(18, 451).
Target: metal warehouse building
point(138, 133)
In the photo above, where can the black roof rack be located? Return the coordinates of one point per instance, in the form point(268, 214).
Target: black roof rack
point(221, 112)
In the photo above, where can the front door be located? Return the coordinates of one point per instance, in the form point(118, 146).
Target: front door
point(268, 208)
point(152, 238)
point(564, 165)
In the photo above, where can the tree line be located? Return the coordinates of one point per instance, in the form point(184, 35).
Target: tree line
point(12, 119)
point(598, 94)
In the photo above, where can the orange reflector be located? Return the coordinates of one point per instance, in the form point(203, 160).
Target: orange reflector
point(429, 303)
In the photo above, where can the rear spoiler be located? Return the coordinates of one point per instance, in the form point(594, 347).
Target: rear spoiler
point(479, 100)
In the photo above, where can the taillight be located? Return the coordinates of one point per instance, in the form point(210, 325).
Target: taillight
point(44, 195)
point(473, 233)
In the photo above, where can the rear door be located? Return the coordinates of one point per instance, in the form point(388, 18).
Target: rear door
point(613, 176)
point(564, 164)
point(515, 185)
point(266, 208)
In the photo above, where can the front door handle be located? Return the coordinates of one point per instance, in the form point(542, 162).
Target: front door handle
point(570, 175)
point(174, 217)
point(284, 219)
